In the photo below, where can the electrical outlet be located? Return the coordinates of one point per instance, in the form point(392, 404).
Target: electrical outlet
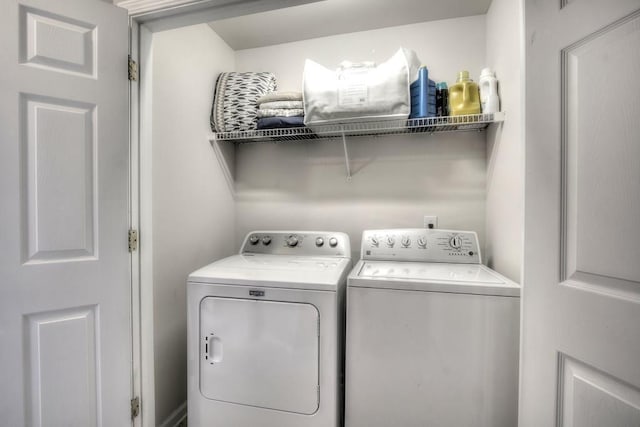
point(430, 221)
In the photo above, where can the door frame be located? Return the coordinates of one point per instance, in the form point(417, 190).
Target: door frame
point(145, 18)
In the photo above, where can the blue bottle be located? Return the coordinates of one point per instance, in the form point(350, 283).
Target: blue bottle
point(423, 95)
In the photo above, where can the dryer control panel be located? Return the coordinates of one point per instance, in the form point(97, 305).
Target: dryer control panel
point(422, 245)
point(303, 243)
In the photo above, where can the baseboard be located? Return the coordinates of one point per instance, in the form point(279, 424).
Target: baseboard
point(177, 417)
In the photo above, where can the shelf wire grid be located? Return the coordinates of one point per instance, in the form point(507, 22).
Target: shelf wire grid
point(471, 122)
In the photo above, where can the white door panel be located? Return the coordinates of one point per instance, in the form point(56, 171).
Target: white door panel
point(581, 304)
point(65, 358)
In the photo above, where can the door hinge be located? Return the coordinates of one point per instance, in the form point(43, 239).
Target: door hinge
point(133, 69)
point(133, 240)
point(135, 407)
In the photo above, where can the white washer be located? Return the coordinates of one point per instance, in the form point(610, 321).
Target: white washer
point(432, 335)
point(265, 333)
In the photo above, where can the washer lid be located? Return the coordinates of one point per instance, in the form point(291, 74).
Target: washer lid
point(281, 271)
point(432, 277)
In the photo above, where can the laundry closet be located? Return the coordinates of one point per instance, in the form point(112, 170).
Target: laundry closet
point(198, 203)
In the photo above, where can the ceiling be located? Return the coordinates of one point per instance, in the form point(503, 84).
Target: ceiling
point(330, 17)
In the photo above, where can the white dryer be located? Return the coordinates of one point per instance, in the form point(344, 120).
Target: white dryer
point(265, 333)
point(432, 334)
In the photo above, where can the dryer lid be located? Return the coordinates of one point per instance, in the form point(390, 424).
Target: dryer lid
point(296, 272)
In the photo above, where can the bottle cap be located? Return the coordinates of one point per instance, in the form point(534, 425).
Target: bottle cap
point(441, 85)
point(463, 75)
point(486, 72)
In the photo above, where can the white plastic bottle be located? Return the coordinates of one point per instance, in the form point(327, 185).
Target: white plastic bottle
point(489, 100)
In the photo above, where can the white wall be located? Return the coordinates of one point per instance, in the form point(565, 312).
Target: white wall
point(193, 211)
point(445, 47)
point(505, 145)
point(396, 180)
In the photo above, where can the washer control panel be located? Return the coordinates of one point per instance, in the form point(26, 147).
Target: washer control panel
point(312, 243)
point(420, 244)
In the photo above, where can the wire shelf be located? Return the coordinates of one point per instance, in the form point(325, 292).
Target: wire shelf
point(472, 122)
point(224, 143)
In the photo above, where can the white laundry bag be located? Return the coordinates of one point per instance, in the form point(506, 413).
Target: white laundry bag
point(357, 92)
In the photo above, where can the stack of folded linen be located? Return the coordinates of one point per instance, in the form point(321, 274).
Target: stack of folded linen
point(280, 110)
point(234, 100)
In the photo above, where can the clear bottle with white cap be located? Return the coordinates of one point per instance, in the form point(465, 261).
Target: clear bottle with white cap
point(489, 98)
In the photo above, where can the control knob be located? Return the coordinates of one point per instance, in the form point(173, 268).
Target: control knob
point(266, 240)
point(406, 241)
point(456, 242)
point(319, 241)
point(391, 241)
point(422, 242)
point(292, 241)
point(333, 242)
point(254, 239)
point(374, 241)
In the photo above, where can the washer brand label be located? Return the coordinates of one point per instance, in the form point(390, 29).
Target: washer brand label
point(256, 292)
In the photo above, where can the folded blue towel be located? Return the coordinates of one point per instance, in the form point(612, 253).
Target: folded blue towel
point(280, 122)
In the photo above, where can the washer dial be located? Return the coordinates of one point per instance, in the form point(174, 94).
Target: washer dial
point(455, 242)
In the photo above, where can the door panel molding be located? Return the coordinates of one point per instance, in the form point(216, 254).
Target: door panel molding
point(58, 43)
point(63, 381)
point(599, 246)
point(585, 393)
point(603, 285)
point(59, 179)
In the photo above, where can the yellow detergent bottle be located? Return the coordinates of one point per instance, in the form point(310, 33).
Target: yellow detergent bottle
point(464, 97)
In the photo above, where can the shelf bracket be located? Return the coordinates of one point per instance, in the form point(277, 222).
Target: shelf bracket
point(346, 153)
point(226, 153)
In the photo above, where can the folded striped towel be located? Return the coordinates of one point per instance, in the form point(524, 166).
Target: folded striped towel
point(280, 104)
point(280, 112)
point(234, 101)
point(279, 96)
